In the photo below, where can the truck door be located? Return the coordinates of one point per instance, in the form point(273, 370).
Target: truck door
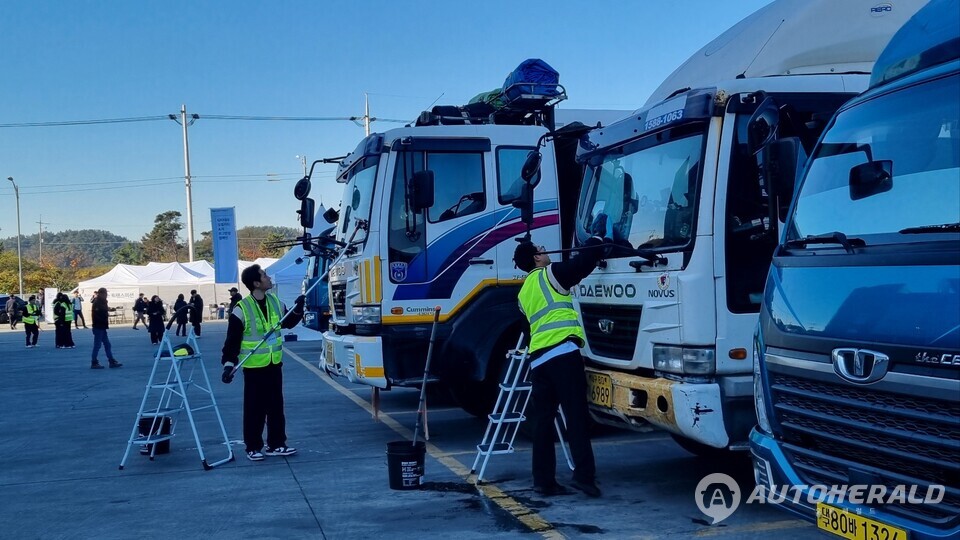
point(439, 254)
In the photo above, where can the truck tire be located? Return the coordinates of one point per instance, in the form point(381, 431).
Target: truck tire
point(702, 450)
point(479, 397)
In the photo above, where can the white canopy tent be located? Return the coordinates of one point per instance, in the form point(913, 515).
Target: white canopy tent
point(125, 282)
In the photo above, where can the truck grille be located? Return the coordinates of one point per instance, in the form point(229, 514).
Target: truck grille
point(833, 432)
point(338, 299)
point(622, 339)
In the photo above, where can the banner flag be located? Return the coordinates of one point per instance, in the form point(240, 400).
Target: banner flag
point(225, 248)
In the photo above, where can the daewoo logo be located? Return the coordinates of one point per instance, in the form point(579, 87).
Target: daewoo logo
point(607, 291)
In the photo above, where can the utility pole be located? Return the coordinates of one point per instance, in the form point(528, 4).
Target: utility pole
point(41, 222)
point(16, 191)
point(366, 114)
point(186, 175)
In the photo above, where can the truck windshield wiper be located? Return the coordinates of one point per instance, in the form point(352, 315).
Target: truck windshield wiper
point(926, 229)
point(828, 238)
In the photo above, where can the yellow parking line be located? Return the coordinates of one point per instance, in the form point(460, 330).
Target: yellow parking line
point(524, 515)
point(753, 528)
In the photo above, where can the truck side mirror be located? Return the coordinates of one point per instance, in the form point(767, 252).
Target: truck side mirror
point(331, 215)
point(306, 212)
point(420, 191)
point(530, 172)
point(525, 203)
point(782, 160)
point(762, 127)
point(302, 189)
point(871, 178)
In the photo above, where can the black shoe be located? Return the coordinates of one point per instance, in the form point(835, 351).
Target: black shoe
point(114, 363)
point(590, 489)
point(96, 365)
point(551, 490)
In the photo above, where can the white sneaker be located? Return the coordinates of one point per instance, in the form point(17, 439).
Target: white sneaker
point(255, 456)
point(281, 451)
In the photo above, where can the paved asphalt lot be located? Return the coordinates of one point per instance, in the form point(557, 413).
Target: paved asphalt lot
point(65, 428)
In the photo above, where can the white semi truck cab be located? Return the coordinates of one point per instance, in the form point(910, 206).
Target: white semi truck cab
point(434, 204)
point(669, 334)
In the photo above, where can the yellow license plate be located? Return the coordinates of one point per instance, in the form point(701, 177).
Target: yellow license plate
point(328, 352)
point(599, 389)
point(849, 525)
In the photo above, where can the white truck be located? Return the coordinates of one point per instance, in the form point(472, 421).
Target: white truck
point(669, 334)
point(435, 207)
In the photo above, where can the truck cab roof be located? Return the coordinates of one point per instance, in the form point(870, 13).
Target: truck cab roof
point(930, 38)
point(793, 37)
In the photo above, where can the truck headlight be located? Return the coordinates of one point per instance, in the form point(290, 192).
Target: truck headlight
point(366, 314)
point(759, 402)
point(684, 360)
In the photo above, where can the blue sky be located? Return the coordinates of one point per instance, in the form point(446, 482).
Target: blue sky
point(91, 60)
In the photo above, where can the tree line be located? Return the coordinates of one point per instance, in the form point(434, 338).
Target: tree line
point(68, 257)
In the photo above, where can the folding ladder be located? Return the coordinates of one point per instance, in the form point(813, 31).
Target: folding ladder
point(509, 413)
point(170, 400)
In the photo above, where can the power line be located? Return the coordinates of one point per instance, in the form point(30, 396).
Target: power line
point(85, 122)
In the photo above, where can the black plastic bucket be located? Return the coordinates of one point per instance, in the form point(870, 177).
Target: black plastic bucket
point(405, 464)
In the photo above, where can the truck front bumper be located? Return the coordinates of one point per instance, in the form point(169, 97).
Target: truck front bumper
point(780, 485)
point(358, 358)
point(692, 410)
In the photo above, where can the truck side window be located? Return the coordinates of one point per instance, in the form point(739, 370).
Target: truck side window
point(509, 163)
point(458, 185)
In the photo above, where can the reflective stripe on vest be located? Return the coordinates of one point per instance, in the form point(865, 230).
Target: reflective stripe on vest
point(67, 311)
point(255, 326)
point(551, 315)
point(31, 316)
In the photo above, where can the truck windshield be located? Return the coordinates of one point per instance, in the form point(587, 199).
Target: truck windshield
point(357, 199)
point(918, 130)
point(648, 191)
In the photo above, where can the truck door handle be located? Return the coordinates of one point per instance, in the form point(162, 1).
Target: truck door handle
point(478, 260)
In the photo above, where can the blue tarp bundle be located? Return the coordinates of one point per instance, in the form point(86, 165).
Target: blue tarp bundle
point(533, 76)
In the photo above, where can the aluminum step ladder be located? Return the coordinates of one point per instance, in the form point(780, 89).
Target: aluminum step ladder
point(509, 412)
point(167, 399)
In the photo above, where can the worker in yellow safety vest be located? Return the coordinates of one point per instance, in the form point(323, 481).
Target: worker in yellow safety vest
point(556, 367)
point(257, 316)
point(32, 313)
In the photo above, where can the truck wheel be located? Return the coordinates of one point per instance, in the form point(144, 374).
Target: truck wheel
point(479, 397)
point(699, 449)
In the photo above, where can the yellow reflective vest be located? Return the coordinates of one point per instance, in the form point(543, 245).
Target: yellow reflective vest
point(255, 326)
point(31, 316)
point(67, 311)
point(551, 315)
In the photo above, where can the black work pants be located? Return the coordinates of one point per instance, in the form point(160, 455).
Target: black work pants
point(33, 332)
point(78, 318)
point(263, 403)
point(560, 381)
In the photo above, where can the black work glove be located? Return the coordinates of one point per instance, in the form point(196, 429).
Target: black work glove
point(227, 376)
point(299, 302)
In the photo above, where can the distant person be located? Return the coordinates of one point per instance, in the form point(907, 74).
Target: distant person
point(99, 315)
point(63, 321)
point(234, 299)
point(181, 316)
point(31, 314)
point(156, 316)
point(254, 317)
point(78, 309)
point(43, 306)
point(13, 309)
point(196, 314)
point(139, 310)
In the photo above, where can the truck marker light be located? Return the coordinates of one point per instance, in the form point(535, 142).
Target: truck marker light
point(396, 311)
point(737, 354)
